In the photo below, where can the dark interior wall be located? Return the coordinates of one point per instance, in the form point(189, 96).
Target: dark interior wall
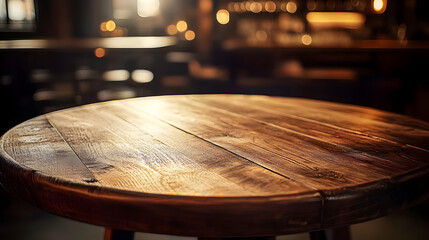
point(64, 19)
point(87, 15)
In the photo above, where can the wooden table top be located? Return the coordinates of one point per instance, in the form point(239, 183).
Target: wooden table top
point(218, 165)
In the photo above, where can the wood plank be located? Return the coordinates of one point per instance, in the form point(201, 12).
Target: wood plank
point(37, 145)
point(400, 156)
point(395, 128)
point(361, 111)
point(139, 153)
point(348, 205)
point(299, 157)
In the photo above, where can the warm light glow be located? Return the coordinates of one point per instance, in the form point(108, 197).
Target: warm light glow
point(335, 19)
point(242, 7)
point(270, 6)
point(291, 7)
point(171, 29)
point(256, 7)
point(306, 39)
point(190, 35)
point(110, 25)
point(16, 10)
point(103, 27)
point(147, 8)
point(181, 26)
point(109, 28)
point(116, 75)
point(136, 42)
point(379, 6)
point(142, 76)
point(222, 16)
point(100, 52)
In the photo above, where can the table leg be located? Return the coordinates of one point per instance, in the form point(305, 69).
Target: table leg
point(340, 233)
point(238, 238)
point(114, 234)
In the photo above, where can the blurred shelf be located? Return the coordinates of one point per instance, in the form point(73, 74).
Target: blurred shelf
point(357, 45)
point(89, 43)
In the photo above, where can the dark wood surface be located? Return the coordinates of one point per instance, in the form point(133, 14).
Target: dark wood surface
point(218, 165)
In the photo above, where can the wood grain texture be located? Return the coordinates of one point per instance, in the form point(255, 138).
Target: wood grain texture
point(37, 145)
point(139, 153)
point(218, 165)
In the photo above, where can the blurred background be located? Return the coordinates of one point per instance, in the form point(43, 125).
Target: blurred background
point(58, 54)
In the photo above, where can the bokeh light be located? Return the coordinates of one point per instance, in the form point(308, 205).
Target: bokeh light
point(181, 26)
point(291, 7)
point(270, 6)
point(99, 52)
point(222, 16)
point(147, 8)
point(190, 35)
point(171, 29)
point(306, 39)
point(142, 76)
point(103, 27)
point(110, 25)
point(379, 6)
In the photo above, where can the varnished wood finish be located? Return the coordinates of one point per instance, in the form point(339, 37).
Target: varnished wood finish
point(218, 165)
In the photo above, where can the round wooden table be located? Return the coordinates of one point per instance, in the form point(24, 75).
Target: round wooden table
point(217, 166)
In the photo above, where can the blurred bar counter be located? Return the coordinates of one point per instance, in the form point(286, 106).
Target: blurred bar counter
point(89, 43)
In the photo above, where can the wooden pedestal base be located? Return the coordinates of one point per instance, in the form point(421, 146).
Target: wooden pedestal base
point(341, 233)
